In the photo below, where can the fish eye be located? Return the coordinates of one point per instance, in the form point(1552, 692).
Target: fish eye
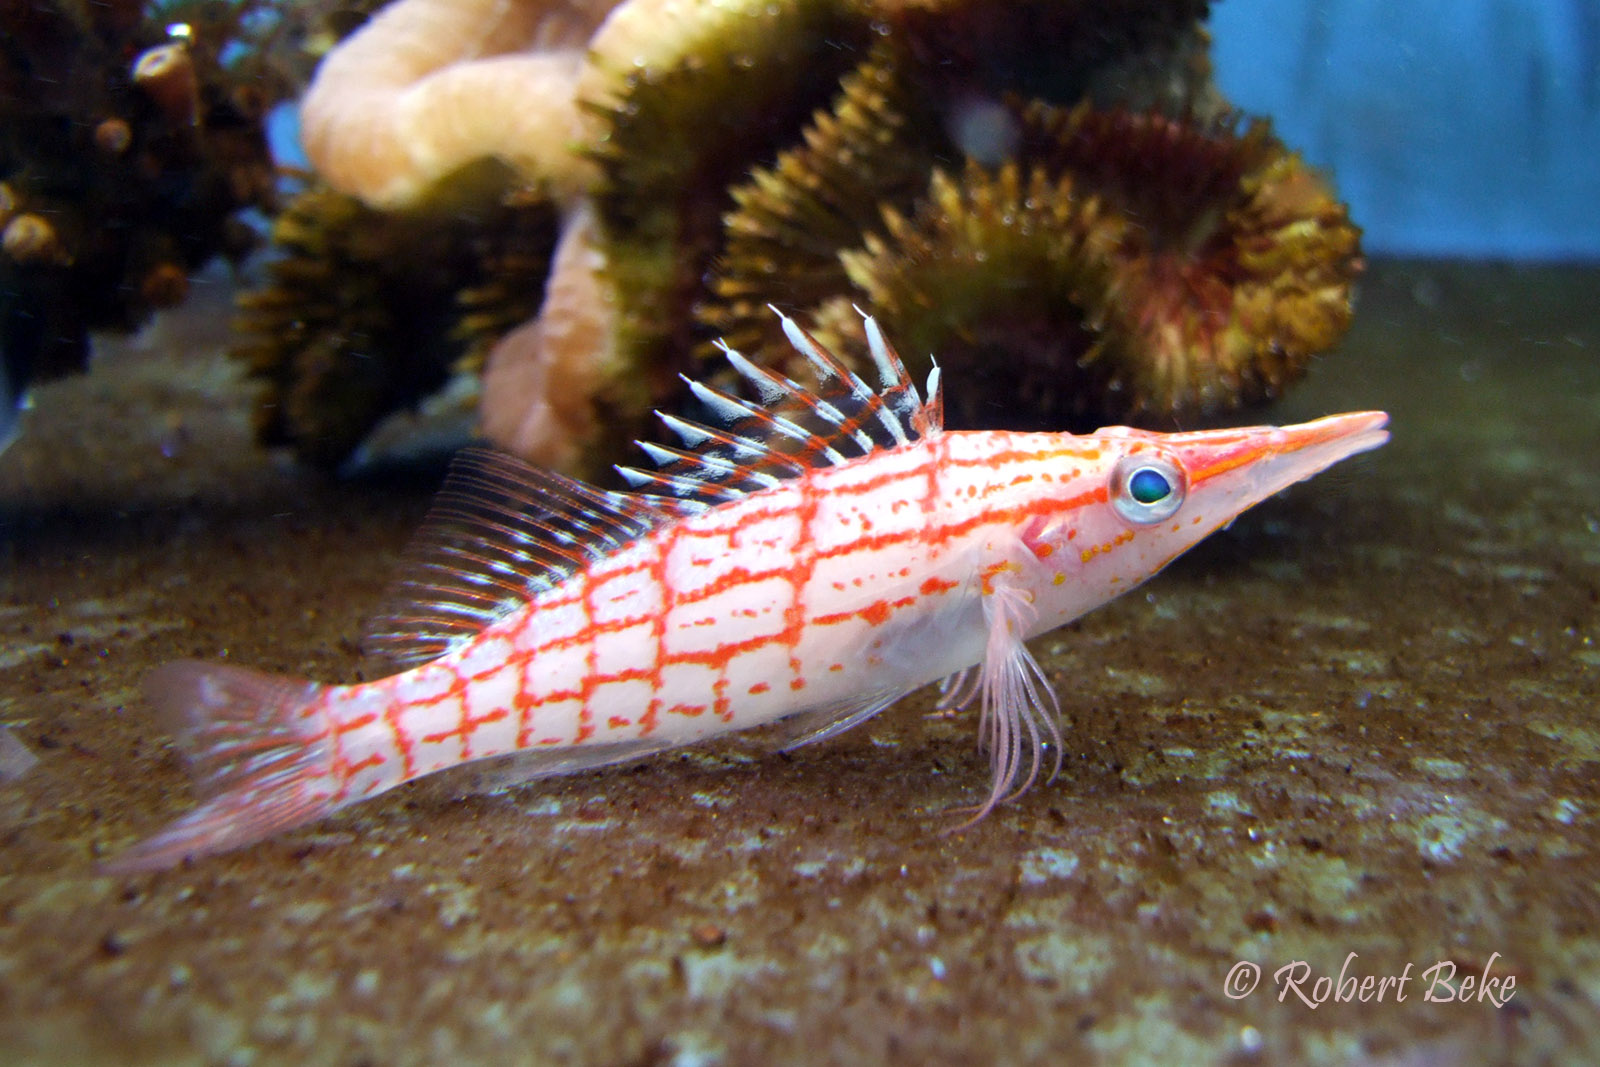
point(1146, 489)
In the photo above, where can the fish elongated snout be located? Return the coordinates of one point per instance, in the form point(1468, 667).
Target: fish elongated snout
point(1236, 469)
point(1309, 448)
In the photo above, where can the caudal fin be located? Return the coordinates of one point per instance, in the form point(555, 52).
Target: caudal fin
point(260, 766)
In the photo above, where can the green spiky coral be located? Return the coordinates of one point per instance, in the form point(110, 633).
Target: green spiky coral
point(790, 220)
point(354, 324)
point(1119, 265)
point(1162, 269)
point(727, 84)
point(988, 272)
point(1101, 262)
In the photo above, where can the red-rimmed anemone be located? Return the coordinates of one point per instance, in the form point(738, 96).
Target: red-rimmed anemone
point(1133, 257)
point(1117, 266)
point(1146, 268)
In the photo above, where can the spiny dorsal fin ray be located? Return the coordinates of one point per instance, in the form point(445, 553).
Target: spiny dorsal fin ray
point(791, 429)
point(500, 533)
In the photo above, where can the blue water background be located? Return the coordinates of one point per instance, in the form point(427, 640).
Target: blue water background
point(1461, 128)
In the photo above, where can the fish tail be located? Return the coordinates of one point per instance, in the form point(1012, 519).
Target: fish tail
point(260, 762)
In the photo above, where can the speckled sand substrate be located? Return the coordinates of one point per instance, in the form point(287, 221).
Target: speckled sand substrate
point(1362, 720)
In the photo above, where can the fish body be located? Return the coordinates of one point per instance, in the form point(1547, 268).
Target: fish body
point(818, 556)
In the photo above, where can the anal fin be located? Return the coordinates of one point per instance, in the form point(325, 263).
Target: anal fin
point(499, 773)
point(819, 723)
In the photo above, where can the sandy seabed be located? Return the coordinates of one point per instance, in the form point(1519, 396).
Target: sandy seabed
point(1364, 719)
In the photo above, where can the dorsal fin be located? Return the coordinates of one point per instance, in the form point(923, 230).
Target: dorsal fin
point(501, 532)
point(791, 429)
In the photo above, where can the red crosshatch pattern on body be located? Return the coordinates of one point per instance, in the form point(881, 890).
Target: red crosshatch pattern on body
point(828, 554)
point(629, 626)
point(641, 621)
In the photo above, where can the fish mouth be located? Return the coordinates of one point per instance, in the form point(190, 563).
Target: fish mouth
point(1326, 441)
point(1260, 461)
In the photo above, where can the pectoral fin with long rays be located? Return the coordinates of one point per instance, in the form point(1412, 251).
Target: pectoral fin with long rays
point(957, 690)
point(1021, 714)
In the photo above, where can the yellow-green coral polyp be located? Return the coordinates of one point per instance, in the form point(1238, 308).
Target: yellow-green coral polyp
point(1126, 266)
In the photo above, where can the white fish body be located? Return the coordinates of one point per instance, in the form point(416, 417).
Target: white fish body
point(823, 555)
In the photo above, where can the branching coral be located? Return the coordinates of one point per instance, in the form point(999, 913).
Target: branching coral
point(128, 147)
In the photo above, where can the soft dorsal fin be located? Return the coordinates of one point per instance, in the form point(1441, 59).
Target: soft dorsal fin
point(500, 532)
point(790, 429)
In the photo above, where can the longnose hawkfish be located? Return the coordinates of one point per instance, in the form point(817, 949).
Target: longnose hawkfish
point(812, 558)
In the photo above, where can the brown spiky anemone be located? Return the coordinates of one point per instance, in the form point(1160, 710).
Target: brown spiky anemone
point(688, 96)
point(694, 110)
point(1118, 266)
point(781, 241)
point(1183, 270)
point(353, 324)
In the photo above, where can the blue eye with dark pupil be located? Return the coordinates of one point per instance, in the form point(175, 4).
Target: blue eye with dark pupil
point(1148, 486)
